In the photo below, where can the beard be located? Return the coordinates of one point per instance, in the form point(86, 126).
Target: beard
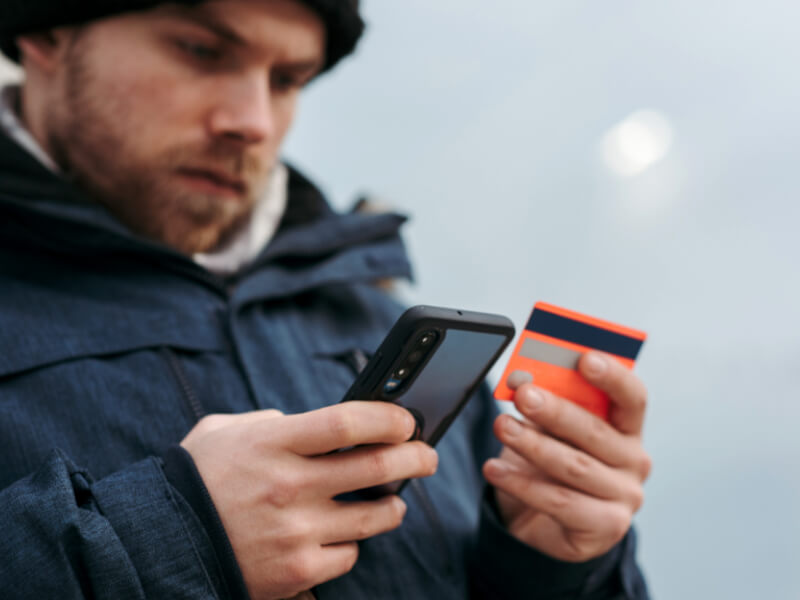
point(94, 137)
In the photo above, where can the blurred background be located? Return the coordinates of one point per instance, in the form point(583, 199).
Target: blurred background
point(634, 161)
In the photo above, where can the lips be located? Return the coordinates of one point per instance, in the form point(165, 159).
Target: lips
point(214, 179)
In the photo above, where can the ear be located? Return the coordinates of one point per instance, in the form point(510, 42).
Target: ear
point(43, 49)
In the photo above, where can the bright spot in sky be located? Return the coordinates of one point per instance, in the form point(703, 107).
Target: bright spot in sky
point(637, 143)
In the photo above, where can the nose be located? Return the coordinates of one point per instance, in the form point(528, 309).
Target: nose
point(244, 111)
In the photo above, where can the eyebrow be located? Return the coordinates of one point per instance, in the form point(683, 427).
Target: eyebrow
point(303, 66)
point(208, 22)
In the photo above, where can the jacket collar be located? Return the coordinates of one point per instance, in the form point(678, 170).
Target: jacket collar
point(57, 216)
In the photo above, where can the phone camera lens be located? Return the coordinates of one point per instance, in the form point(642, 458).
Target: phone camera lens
point(415, 356)
point(391, 386)
point(401, 373)
point(427, 338)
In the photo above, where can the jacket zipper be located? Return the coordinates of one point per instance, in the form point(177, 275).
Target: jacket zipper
point(357, 360)
point(433, 516)
point(183, 382)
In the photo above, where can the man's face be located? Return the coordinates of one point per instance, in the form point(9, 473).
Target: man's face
point(173, 118)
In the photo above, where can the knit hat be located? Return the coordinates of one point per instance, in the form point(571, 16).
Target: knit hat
point(341, 18)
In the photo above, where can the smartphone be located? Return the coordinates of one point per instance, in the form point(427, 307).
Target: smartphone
point(431, 362)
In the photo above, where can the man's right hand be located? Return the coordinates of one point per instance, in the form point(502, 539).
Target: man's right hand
point(273, 481)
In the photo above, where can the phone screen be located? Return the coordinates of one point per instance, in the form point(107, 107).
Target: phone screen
point(453, 369)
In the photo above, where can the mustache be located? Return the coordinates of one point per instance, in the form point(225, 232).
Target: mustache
point(236, 163)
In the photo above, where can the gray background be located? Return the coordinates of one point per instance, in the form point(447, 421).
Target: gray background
point(484, 121)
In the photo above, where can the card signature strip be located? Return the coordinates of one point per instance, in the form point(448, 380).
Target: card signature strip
point(549, 353)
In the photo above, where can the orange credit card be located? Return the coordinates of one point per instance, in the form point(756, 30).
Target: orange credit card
point(548, 350)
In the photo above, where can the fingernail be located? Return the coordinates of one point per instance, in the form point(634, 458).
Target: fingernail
point(531, 400)
point(499, 468)
point(402, 507)
point(409, 424)
point(434, 458)
point(518, 378)
point(512, 427)
point(595, 364)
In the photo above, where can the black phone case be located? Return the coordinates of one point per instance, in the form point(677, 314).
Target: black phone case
point(411, 324)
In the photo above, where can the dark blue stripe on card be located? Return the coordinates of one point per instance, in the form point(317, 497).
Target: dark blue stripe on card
point(576, 332)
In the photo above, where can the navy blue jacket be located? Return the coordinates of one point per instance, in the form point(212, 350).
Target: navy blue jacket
point(111, 349)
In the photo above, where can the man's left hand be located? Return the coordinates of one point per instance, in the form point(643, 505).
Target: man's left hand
point(567, 482)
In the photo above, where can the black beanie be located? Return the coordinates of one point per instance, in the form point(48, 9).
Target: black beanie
point(341, 18)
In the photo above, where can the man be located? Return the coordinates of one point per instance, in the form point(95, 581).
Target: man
point(180, 313)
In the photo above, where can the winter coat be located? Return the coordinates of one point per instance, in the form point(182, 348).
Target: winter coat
point(112, 347)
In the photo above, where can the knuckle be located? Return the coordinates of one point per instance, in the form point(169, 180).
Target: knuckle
point(378, 520)
point(597, 434)
point(365, 527)
point(300, 569)
point(343, 427)
point(535, 445)
point(557, 410)
point(281, 489)
point(561, 499)
point(378, 465)
point(579, 467)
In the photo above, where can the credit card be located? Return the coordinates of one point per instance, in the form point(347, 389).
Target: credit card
point(548, 350)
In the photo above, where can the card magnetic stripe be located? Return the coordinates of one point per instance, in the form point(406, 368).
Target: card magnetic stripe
point(583, 334)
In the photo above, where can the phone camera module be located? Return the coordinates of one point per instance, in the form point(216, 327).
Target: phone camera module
point(427, 338)
point(415, 356)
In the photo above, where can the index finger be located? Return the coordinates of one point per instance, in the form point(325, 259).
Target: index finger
point(575, 425)
point(626, 391)
point(351, 423)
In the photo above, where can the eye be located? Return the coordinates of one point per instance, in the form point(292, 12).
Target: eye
point(285, 81)
point(199, 51)
point(290, 80)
